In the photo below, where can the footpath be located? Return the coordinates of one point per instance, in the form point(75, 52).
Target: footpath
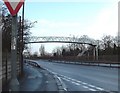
point(36, 79)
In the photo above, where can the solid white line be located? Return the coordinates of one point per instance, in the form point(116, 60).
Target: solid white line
point(64, 86)
point(70, 79)
point(66, 79)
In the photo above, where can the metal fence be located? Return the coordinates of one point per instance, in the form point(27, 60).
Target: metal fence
point(102, 58)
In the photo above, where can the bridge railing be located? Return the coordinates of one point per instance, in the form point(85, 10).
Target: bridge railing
point(83, 40)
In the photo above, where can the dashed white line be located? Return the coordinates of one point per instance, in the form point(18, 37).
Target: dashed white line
point(75, 83)
point(91, 85)
point(92, 89)
point(84, 84)
point(101, 89)
point(78, 84)
point(79, 81)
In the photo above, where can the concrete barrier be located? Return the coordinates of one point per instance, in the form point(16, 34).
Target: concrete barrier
point(32, 62)
point(113, 65)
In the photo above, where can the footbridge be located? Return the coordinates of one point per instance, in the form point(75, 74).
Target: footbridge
point(56, 39)
point(48, 39)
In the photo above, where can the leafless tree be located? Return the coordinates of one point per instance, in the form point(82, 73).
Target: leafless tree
point(108, 41)
point(58, 51)
point(42, 50)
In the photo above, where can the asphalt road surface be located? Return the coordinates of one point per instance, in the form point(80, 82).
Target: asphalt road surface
point(84, 78)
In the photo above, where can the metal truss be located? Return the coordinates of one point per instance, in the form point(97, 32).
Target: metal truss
point(48, 39)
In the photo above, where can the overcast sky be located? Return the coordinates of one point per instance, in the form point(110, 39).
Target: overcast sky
point(94, 18)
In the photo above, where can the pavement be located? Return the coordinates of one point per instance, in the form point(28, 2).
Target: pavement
point(37, 79)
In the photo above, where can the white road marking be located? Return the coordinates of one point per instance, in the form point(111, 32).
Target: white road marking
point(85, 86)
point(66, 79)
point(63, 84)
point(99, 88)
point(84, 83)
point(77, 82)
point(91, 85)
point(92, 89)
point(72, 81)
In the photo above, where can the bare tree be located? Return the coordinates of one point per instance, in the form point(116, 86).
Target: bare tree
point(57, 51)
point(108, 41)
point(42, 50)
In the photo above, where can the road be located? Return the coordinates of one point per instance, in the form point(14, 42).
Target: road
point(84, 78)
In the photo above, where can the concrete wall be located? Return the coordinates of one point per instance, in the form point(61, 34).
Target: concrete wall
point(6, 69)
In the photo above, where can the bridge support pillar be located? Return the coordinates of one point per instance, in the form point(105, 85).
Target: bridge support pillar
point(94, 54)
point(96, 49)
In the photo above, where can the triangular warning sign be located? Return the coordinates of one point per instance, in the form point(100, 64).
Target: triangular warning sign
point(13, 5)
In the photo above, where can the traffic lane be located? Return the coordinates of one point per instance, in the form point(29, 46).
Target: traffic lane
point(81, 84)
point(100, 72)
point(105, 81)
point(97, 76)
point(74, 85)
point(82, 68)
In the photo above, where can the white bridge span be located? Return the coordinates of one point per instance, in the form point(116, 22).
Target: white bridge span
point(51, 39)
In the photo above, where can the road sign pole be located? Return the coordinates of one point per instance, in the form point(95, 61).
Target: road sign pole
point(22, 38)
point(14, 84)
